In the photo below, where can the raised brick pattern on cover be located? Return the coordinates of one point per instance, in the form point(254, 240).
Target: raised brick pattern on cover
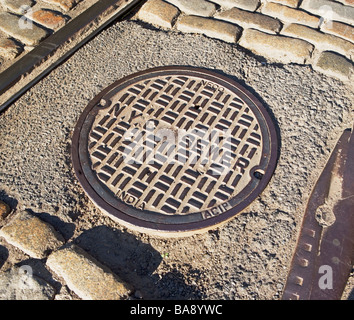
point(179, 171)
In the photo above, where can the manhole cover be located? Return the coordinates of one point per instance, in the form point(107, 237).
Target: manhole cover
point(174, 150)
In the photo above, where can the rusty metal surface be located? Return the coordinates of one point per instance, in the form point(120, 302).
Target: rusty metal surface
point(174, 150)
point(324, 255)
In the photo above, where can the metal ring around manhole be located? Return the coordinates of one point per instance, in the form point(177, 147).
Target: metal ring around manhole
point(174, 150)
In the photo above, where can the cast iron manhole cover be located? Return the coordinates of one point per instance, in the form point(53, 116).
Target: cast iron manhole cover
point(174, 150)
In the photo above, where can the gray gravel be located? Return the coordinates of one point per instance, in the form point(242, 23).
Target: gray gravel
point(247, 258)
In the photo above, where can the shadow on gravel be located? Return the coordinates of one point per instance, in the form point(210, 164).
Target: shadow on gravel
point(4, 254)
point(65, 229)
point(135, 263)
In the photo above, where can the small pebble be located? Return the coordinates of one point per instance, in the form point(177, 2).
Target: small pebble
point(4, 210)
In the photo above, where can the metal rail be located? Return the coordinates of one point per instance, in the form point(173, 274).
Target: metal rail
point(18, 78)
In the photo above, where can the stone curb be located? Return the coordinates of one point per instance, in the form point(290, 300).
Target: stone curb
point(222, 30)
point(11, 24)
point(19, 283)
point(331, 63)
point(284, 49)
point(87, 277)
point(283, 31)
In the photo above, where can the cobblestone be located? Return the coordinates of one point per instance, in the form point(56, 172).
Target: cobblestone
point(339, 29)
point(290, 15)
point(66, 5)
point(334, 64)
point(17, 6)
point(322, 41)
point(32, 235)
point(330, 9)
point(276, 48)
point(249, 5)
point(158, 12)
point(210, 27)
point(19, 283)
point(20, 29)
point(47, 18)
point(248, 19)
point(87, 277)
point(347, 2)
point(195, 7)
point(289, 3)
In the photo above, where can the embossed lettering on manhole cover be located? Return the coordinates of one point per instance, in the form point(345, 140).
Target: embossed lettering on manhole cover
point(174, 150)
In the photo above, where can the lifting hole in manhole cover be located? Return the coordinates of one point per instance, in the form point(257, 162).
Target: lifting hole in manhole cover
point(174, 150)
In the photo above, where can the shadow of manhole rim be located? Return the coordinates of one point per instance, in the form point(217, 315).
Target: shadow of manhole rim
point(174, 150)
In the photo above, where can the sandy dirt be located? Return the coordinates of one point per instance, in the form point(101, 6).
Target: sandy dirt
point(247, 258)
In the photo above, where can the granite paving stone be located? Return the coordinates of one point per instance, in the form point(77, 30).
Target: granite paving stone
point(19, 283)
point(335, 65)
point(210, 27)
point(290, 15)
point(247, 19)
point(158, 12)
point(86, 276)
point(339, 29)
point(321, 40)
point(347, 2)
point(195, 7)
point(276, 48)
point(21, 29)
point(250, 5)
point(32, 235)
point(289, 3)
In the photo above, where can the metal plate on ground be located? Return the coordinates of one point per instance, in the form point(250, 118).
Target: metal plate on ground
point(174, 150)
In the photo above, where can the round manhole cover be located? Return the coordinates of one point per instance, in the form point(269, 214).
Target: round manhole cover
point(174, 150)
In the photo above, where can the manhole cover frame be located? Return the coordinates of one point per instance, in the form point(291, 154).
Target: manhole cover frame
point(184, 228)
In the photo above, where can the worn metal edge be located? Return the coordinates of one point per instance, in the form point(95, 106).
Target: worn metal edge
point(20, 77)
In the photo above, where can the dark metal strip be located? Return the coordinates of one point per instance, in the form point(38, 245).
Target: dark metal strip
point(324, 255)
point(48, 47)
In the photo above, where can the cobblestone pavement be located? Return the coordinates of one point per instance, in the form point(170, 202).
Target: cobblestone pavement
point(315, 32)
